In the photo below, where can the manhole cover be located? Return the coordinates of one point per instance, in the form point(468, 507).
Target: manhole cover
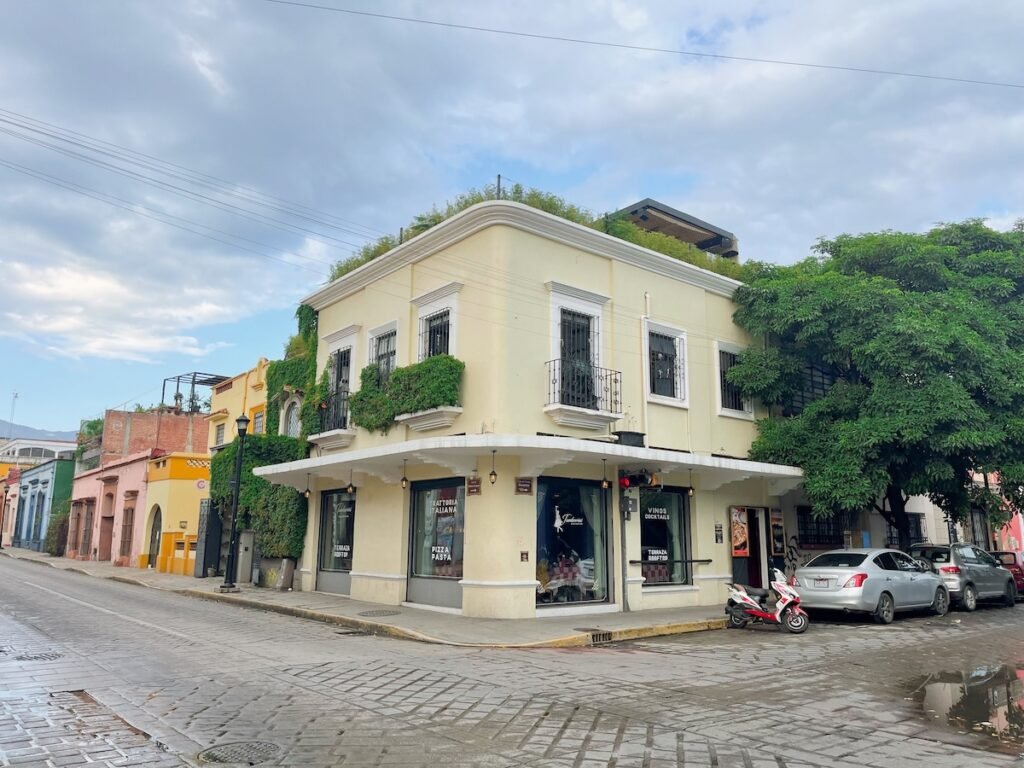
point(379, 614)
point(38, 656)
point(244, 752)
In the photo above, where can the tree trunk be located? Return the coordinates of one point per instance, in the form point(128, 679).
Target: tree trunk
point(898, 510)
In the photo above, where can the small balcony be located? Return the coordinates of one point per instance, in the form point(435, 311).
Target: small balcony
point(583, 395)
point(334, 426)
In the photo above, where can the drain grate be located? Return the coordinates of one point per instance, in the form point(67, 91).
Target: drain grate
point(244, 752)
point(379, 614)
point(597, 636)
point(52, 656)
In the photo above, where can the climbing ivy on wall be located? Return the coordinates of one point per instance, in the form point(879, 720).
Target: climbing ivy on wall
point(296, 373)
point(432, 383)
point(276, 513)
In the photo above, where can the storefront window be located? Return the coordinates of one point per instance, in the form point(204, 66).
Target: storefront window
point(438, 522)
point(572, 542)
point(337, 522)
point(664, 537)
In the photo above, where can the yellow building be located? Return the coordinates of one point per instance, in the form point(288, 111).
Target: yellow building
point(588, 361)
point(245, 393)
point(177, 484)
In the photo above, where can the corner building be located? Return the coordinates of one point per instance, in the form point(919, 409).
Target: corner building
point(586, 358)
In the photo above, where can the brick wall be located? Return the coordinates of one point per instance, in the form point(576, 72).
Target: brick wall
point(126, 433)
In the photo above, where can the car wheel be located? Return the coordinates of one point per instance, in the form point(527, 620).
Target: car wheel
point(886, 610)
point(969, 598)
point(940, 605)
point(1010, 596)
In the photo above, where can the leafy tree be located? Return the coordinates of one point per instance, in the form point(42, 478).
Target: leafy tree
point(920, 338)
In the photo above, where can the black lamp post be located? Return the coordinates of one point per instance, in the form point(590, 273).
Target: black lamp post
point(236, 485)
point(3, 512)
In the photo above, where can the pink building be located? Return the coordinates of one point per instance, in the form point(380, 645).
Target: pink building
point(1011, 536)
point(104, 524)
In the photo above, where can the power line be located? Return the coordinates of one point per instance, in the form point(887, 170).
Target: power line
point(140, 210)
point(236, 210)
point(222, 185)
point(646, 48)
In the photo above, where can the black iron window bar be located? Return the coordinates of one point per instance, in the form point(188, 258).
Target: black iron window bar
point(664, 366)
point(435, 334)
point(584, 385)
point(731, 397)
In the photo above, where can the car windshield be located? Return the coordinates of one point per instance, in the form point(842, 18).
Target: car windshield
point(932, 554)
point(1006, 558)
point(837, 560)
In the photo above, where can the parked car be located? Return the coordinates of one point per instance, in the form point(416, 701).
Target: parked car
point(876, 581)
point(970, 573)
point(1014, 563)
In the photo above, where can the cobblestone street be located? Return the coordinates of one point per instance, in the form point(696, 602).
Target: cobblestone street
point(97, 672)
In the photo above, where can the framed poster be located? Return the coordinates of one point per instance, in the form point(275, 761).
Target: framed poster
point(740, 532)
point(778, 532)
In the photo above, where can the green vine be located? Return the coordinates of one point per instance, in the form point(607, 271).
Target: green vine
point(296, 373)
point(276, 513)
point(57, 529)
point(433, 383)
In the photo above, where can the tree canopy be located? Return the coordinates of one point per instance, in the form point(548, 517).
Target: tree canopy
point(915, 343)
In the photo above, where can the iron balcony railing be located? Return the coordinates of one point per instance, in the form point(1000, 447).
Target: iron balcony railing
point(335, 415)
point(581, 384)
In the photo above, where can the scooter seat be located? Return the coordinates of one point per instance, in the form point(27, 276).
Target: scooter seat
point(756, 591)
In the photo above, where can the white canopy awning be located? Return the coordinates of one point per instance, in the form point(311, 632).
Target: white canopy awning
point(458, 454)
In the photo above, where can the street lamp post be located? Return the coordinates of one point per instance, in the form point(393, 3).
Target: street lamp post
point(3, 512)
point(236, 486)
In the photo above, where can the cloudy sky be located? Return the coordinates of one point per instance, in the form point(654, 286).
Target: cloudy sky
point(175, 175)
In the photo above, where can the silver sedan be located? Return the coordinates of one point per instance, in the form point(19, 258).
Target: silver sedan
point(876, 581)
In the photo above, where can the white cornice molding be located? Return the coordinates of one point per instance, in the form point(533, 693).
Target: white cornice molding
point(348, 330)
point(577, 293)
point(437, 294)
point(494, 213)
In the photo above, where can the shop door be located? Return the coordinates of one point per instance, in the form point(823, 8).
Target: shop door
point(154, 537)
point(106, 537)
point(436, 543)
point(749, 546)
point(337, 539)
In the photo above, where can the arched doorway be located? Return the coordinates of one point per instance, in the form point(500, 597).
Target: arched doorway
point(155, 526)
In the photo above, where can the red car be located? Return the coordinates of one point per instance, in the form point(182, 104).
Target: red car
point(1014, 563)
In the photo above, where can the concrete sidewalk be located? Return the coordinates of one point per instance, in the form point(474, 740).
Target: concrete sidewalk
point(408, 622)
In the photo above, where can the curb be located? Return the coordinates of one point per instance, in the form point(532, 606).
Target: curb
point(575, 640)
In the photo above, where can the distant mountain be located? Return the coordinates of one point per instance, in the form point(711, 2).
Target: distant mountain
point(8, 431)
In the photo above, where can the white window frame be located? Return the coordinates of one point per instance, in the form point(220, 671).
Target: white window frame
point(682, 400)
point(282, 422)
point(444, 298)
point(748, 413)
point(345, 338)
point(575, 300)
point(259, 422)
point(371, 342)
point(219, 433)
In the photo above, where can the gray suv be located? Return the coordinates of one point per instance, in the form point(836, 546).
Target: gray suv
point(969, 573)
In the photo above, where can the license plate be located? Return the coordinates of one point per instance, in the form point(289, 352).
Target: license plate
point(821, 582)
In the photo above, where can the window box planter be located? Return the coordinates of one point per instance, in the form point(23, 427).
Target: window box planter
point(432, 418)
point(333, 439)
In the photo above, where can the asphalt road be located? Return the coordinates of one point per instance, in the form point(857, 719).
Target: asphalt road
point(99, 672)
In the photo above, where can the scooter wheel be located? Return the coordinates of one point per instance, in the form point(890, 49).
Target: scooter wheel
point(736, 622)
point(795, 623)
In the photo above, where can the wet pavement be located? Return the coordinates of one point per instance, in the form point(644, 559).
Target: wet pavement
point(183, 676)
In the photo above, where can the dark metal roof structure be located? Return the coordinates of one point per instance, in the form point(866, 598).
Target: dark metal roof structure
point(653, 216)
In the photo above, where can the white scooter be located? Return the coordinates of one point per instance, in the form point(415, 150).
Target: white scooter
point(748, 605)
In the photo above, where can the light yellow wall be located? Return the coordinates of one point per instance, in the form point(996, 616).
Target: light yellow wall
point(504, 335)
point(247, 394)
point(178, 499)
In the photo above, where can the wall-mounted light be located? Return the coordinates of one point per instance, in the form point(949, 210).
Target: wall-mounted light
point(605, 484)
point(405, 480)
point(689, 491)
point(306, 494)
point(494, 475)
point(351, 488)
